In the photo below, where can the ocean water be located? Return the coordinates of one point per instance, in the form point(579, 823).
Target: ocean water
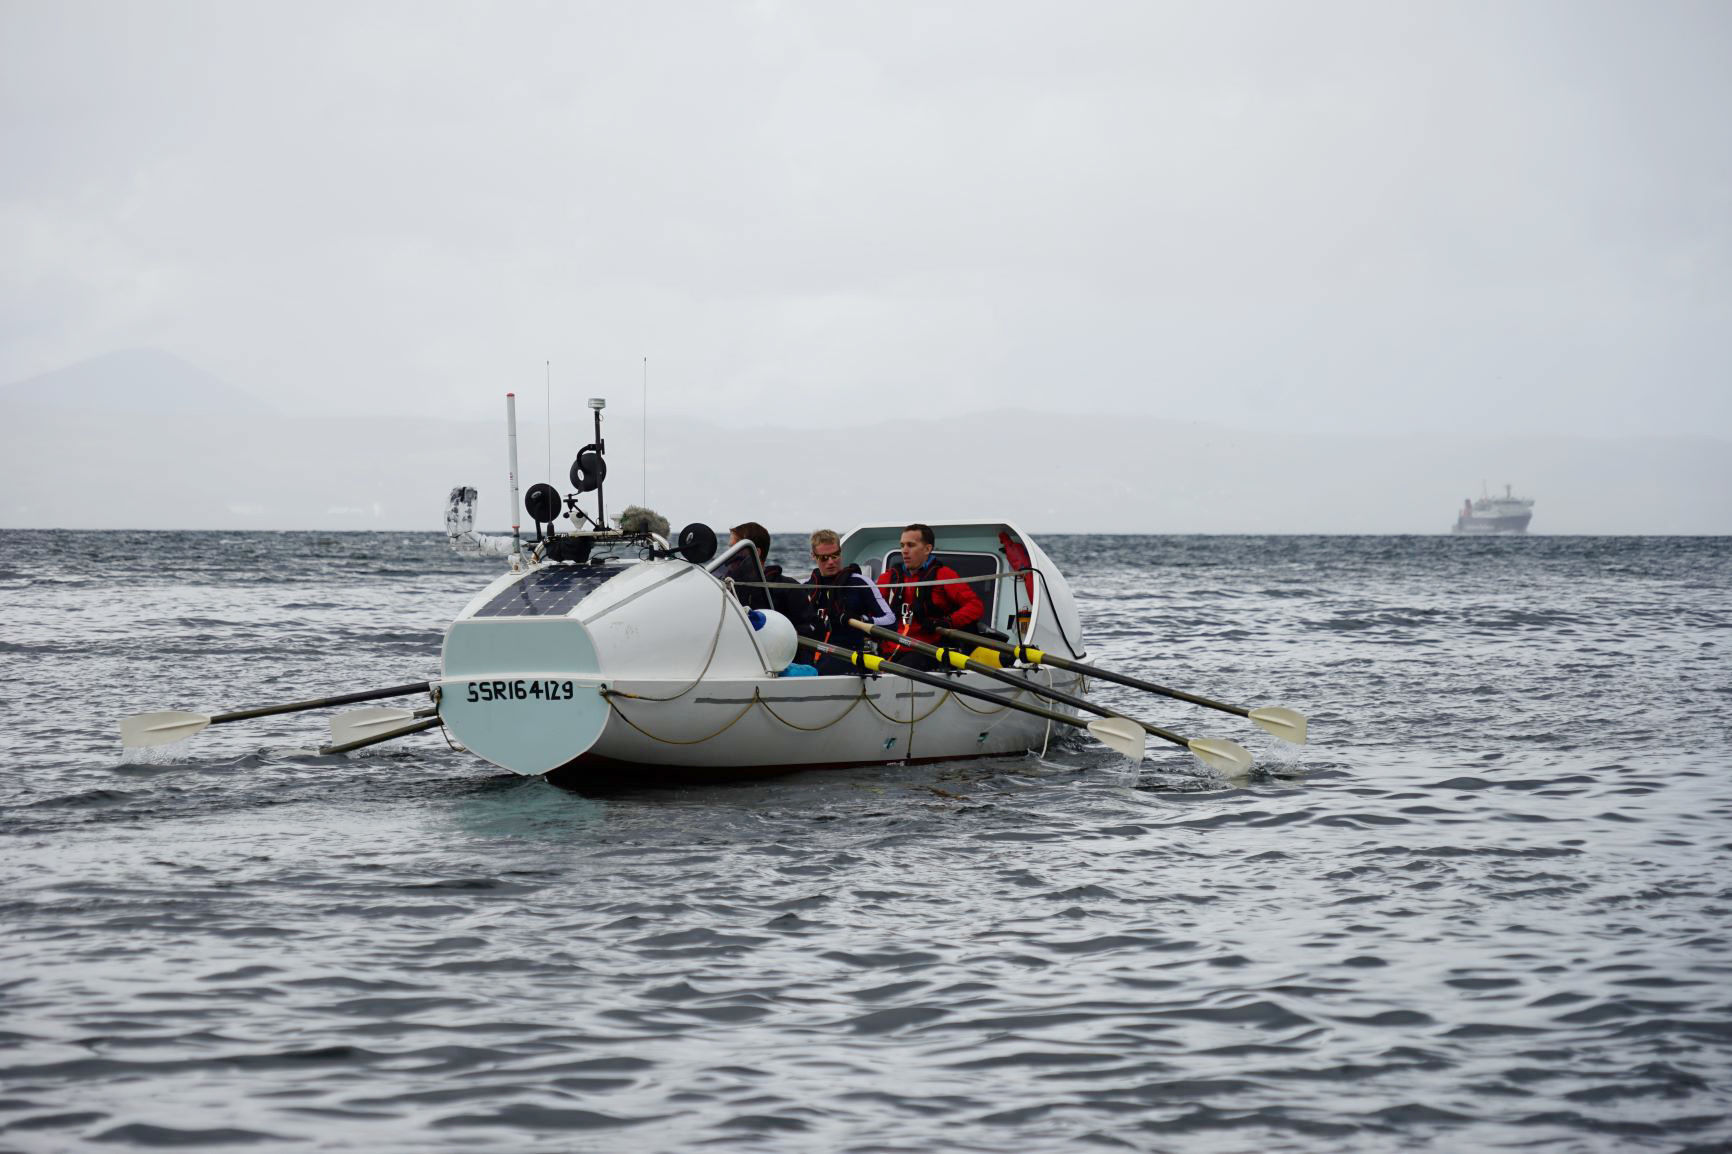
point(1488, 907)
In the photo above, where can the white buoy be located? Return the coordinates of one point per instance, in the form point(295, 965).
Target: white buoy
point(778, 640)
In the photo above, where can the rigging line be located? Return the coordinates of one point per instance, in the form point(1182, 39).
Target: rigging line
point(670, 740)
point(1055, 619)
point(987, 712)
point(757, 696)
point(993, 576)
point(715, 641)
point(942, 698)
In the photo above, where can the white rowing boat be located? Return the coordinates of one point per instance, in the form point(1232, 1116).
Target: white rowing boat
point(598, 669)
point(605, 654)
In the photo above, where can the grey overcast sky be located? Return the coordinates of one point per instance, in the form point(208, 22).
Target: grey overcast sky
point(1323, 217)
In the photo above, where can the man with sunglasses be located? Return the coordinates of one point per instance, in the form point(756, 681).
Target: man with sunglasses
point(837, 594)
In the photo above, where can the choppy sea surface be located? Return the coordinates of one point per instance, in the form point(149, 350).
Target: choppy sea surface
point(1488, 907)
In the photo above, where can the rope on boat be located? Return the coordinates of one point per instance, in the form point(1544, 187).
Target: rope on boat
point(715, 642)
point(758, 697)
point(995, 575)
point(759, 700)
point(670, 740)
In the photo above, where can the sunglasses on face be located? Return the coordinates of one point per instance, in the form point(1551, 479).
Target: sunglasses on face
point(836, 556)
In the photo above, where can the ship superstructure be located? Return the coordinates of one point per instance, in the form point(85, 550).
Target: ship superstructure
point(1507, 515)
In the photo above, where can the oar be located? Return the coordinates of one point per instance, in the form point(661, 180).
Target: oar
point(145, 729)
point(362, 742)
point(361, 723)
point(1122, 736)
point(1227, 756)
point(1287, 724)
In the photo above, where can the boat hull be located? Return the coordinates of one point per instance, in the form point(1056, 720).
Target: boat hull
point(756, 727)
point(1513, 526)
point(656, 667)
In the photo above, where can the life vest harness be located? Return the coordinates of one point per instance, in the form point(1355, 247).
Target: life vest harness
point(830, 600)
point(908, 602)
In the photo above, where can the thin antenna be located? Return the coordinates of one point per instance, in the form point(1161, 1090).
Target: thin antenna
point(516, 514)
point(550, 420)
point(646, 432)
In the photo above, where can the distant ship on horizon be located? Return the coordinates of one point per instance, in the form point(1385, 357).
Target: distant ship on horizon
point(1505, 516)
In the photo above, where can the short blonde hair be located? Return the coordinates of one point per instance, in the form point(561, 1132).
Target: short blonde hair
point(826, 537)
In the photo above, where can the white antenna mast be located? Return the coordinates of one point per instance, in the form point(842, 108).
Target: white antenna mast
point(646, 432)
point(511, 433)
point(550, 420)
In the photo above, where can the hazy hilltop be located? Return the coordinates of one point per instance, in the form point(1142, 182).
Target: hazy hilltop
point(133, 381)
point(1050, 472)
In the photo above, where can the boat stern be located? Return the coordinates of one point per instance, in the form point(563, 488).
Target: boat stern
point(525, 693)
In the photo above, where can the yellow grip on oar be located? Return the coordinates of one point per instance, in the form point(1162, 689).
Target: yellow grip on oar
point(984, 656)
point(869, 661)
point(1029, 654)
point(956, 660)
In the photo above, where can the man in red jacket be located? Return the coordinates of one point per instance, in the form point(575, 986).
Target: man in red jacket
point(921, 609)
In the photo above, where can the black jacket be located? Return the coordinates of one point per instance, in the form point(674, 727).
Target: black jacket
point(833, 600)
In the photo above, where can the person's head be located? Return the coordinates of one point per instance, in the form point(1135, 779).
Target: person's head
point(917, 543)
point(827, 551)
point(753, 532)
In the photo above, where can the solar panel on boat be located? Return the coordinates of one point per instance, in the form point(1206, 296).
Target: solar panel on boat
point(550, 592)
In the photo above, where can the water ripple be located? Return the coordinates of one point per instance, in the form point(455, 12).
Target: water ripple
point(1487, 908)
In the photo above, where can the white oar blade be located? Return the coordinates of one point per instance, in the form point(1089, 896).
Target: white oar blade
point(1287, 724)
point(359, 723)
point(1121, 735)
point(147, 729)
point(381, 735)
point(1229, 757)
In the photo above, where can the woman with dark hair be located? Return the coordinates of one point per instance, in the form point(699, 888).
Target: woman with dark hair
point(751, 571)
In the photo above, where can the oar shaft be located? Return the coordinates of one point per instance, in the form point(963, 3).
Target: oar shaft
point(323, 702)
point(1035, 656)
point(874, 664)
point(375, 739)
point(1039, 690)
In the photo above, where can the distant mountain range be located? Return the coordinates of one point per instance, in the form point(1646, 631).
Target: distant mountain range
point(138, 459)
point(133, 381)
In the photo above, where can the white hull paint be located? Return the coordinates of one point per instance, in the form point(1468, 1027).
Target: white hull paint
point(1505, 516)
point(627, 671)
point(789, 722)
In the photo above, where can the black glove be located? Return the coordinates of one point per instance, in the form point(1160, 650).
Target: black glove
point(937, 620)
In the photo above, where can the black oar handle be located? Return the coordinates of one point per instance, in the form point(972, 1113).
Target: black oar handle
point(1039, 690)
point(940, 682)
point(1020, 651)
point(322, 702)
